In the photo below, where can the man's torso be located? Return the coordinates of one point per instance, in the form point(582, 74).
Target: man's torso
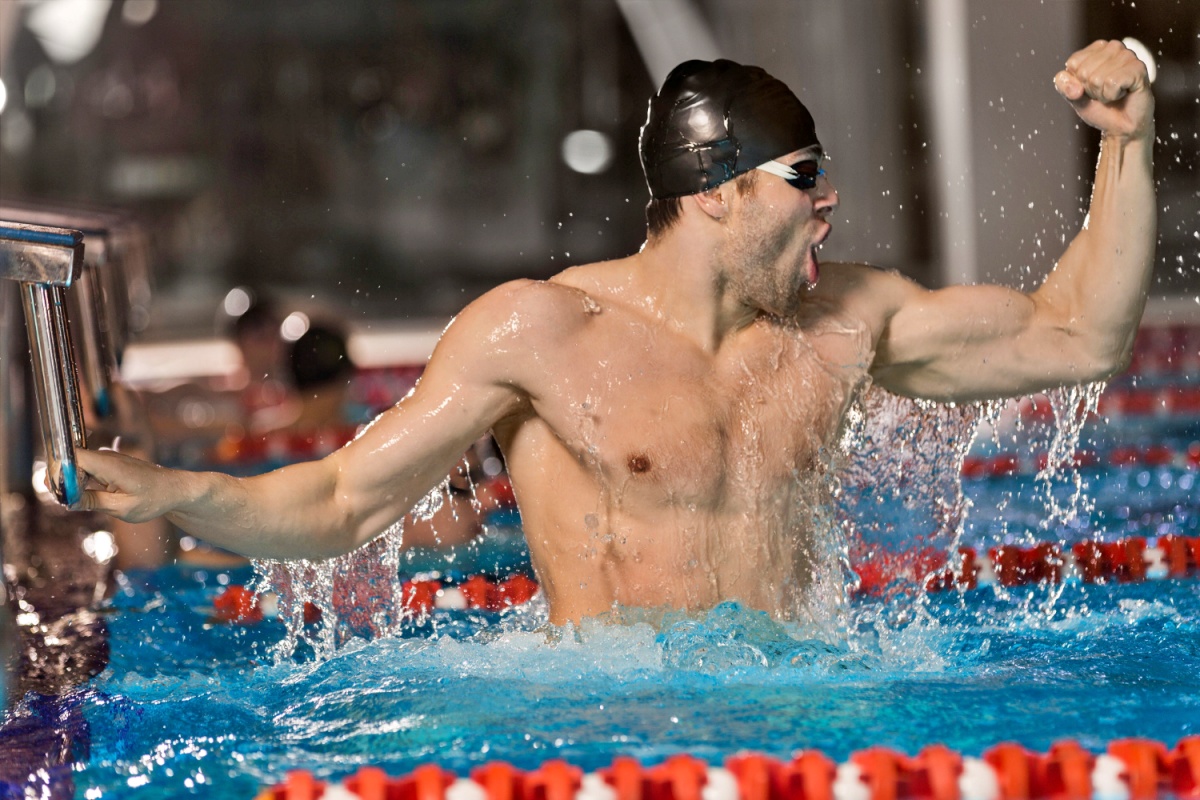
point(653, 473)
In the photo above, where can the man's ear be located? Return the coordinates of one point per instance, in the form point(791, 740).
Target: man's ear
point(712, 202)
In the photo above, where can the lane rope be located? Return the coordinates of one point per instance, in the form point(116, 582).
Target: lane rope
point(1004, 464)
point(419, 598)
point(1129, 769)
point(1131, 560)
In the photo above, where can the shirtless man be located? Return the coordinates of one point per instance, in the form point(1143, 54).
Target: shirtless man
point(662, 414)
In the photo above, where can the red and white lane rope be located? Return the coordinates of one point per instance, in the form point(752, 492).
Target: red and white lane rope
point(1130, 769)
point(1161, 401)
point(1166, 350)
point(1130, 560)
point(1154, 455)
point(239, 605)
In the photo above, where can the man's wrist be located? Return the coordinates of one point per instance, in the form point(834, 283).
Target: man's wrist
point(1126, 145)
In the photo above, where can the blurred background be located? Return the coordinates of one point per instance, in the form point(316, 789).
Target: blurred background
point(389, 160)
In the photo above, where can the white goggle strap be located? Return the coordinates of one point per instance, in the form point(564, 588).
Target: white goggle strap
point(775, 168)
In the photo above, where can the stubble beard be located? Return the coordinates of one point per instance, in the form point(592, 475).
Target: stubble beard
point(752, 260)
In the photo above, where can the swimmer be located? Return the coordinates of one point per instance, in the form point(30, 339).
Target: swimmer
point(663, 415)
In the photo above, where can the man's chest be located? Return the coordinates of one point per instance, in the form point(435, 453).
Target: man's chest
point(660, 425)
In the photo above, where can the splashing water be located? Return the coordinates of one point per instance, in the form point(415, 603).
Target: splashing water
point(900, 500)
point(888, 512)
point(1072, 406)
point(359, 594)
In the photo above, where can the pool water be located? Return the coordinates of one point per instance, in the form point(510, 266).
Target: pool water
point(189, 707)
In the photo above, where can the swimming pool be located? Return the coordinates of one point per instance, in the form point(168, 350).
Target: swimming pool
point(187, 707)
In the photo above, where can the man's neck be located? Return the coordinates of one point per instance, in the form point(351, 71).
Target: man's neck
point(687, 288)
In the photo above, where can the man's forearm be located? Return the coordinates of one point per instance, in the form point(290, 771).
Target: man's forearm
point(289, 513)
point(1099, 285)
point(1093, 299)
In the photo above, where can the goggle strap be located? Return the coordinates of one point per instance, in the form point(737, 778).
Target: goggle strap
point(782, 170)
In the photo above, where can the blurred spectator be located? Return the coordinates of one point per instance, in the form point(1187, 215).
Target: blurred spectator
point(262, 379)
point(321, 369)
point(191, 418)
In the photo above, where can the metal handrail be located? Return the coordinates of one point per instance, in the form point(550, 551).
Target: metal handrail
point(46, 260)
point(99, 305)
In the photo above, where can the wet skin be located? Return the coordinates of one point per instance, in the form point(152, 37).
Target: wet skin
point(654, 472)
point(667, 417)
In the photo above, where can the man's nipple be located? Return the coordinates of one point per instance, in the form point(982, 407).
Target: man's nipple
point(638, 463)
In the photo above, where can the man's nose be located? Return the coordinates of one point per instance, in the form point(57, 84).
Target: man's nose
point(827, 198)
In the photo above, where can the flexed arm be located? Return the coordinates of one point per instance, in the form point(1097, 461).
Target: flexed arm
point(968, 342)
point(323, 508)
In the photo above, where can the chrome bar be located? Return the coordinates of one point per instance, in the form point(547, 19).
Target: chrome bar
point(8, 648)
point(115, 287)
point(98, 301)
point(16, 456)
point(86, 313)
point(46, 260)
point(65, 348)
point(40, 254)
point(16, 402)
point(56, 387)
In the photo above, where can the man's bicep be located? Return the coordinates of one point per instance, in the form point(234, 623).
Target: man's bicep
point(465, 389)
point(429, 430)
point(957, 343)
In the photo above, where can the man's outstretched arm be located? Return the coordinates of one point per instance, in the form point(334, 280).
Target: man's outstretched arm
point(970, 342)
point(323, 508)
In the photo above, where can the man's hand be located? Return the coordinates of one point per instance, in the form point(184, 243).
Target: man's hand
point(1110, 90)
point(124, 487)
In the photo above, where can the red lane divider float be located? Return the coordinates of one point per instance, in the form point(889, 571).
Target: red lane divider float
point(1124, 561)
point(1163, 401)
point(239, 605)
point(1125, 401)
point(1154, 455)
point(1166, 350)
point(281, 446)
point(1130, 769)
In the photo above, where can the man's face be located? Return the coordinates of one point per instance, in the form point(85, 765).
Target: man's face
point(769, 255)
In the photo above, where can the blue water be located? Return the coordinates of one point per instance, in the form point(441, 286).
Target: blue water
point(183, 702)
point(186, 707)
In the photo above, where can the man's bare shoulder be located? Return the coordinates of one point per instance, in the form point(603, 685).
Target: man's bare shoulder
point(599, 279)
point(521, 313)
point(869, 292)
point(847, 277)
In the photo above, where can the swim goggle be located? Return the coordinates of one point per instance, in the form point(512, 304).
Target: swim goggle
point(801, 175)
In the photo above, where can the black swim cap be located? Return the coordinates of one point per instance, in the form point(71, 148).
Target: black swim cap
point(713, 120)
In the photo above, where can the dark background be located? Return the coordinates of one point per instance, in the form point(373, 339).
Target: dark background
point(392, 159)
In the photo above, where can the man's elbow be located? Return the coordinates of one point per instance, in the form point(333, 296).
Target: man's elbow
point(336, 543)
point(1105, 360)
